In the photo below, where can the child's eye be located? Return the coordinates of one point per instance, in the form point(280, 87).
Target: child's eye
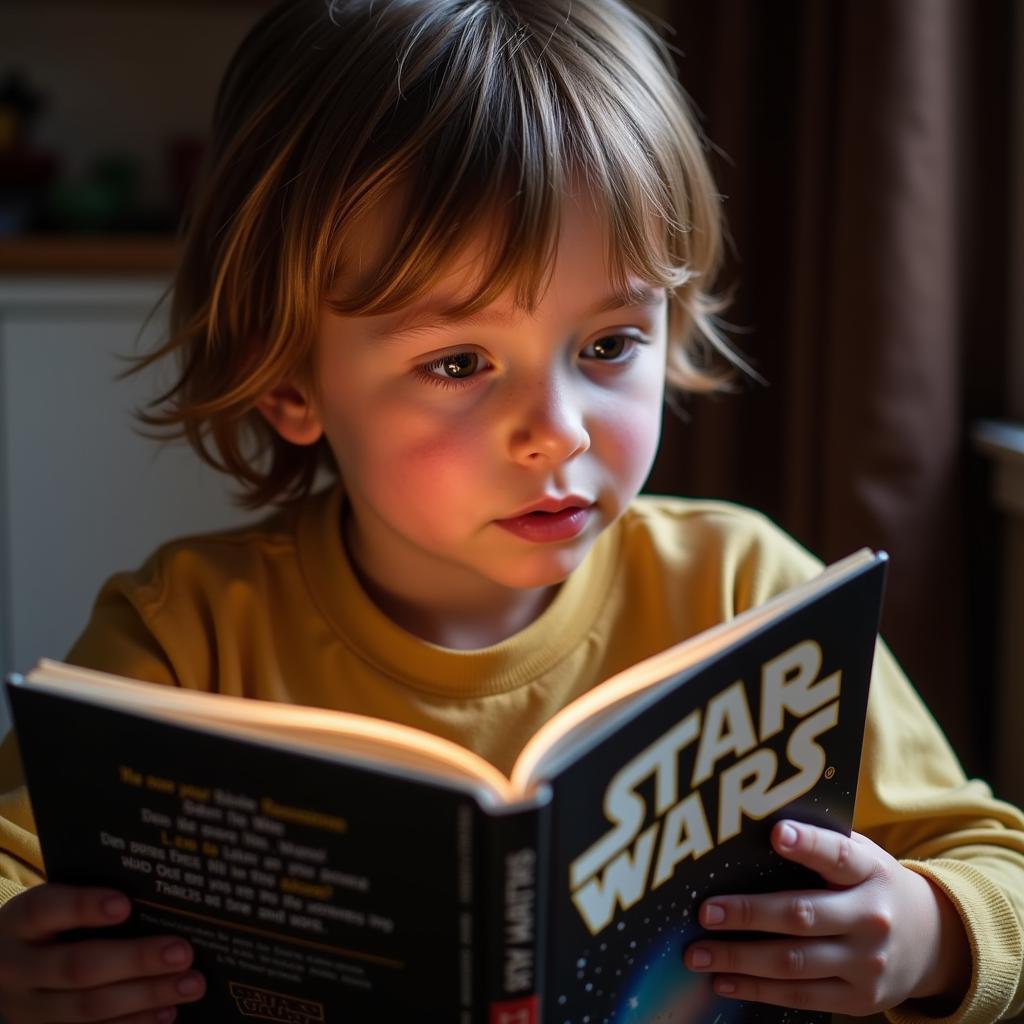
point(615, 348)
point(454, 369)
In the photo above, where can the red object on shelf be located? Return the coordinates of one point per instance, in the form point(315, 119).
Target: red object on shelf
point(184, 159)
point(26, 169)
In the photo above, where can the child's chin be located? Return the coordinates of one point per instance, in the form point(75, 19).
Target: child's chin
point(546, 569)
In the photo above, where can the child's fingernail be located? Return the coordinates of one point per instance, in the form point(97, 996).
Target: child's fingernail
point(166, 1016)
point(116, 906)
point(714, 913)
point(700, 958)
point(190, 984)
point(725, 987)
point(787, 835)
point(175, 954)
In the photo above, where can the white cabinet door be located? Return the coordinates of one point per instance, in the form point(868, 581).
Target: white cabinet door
point(82, 495)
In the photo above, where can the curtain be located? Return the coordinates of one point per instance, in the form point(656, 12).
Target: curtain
point(863, 152)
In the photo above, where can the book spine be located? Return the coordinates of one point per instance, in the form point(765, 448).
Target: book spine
point(513, 903)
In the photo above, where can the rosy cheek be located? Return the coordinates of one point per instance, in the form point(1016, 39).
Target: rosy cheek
point(439, 463)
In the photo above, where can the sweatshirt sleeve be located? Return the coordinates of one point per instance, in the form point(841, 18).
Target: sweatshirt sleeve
point(20, 862)
point(116, 639)
point(914, 800)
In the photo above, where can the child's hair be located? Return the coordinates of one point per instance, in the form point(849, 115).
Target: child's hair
point(490, 108)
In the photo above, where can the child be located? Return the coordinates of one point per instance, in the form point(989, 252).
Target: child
point(453, 250)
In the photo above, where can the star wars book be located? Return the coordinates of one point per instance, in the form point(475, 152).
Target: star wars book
point(331, 867)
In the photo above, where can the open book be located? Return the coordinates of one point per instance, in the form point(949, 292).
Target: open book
point(328, 866)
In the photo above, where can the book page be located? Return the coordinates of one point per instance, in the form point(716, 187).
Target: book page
point(332, 733)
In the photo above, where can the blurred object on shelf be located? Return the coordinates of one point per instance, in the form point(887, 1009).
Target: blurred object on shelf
point(35, 199)
point(19, 106)
point(103, 201)
point(25, 173)
point(24, 177)
point(184, 159)
point(106, 201)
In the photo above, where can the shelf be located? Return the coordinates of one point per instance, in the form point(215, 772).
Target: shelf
point(88, 254)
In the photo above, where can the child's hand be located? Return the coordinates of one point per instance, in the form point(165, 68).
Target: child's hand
point(132, 981)
point(879, 935)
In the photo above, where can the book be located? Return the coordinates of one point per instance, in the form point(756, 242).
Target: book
point(334, 867)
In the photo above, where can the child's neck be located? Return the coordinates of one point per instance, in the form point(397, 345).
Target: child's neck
point(461, 627)
point(467, 613)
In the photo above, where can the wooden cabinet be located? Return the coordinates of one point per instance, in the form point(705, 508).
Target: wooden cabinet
point(81, 494)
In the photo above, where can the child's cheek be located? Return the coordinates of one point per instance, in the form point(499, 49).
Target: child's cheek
point(627, 444)
point(443, 452)
point(441, 467)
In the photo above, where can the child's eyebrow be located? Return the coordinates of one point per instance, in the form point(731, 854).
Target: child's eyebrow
point(439, 312)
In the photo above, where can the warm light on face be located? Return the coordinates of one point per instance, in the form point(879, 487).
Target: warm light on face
point(488, 454)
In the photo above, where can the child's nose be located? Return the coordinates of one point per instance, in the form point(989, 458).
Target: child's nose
point(549, 426)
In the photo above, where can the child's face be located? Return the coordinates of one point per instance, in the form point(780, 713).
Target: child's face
point(447, 438)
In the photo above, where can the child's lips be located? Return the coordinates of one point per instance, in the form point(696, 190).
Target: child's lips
point(541, 527)
point(549, 503)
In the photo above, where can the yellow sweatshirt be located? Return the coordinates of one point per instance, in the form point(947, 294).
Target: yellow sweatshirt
point(274, 612)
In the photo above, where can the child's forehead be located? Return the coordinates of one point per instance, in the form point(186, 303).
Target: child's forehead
point(371, 236)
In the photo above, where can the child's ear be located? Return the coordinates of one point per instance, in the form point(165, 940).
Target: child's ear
point(288, 410)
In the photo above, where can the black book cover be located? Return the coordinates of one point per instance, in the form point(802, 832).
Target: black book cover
point(316, 890)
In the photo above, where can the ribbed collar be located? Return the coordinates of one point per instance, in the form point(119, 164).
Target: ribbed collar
point(513, 662)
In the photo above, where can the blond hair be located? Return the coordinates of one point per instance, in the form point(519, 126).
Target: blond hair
point(489, 106)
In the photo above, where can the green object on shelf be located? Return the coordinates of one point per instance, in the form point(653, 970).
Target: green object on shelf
point(101, 202)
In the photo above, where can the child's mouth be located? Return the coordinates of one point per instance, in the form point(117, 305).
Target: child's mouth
point(546, 527)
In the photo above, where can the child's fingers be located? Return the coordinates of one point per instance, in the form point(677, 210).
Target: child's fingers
point(781, 959)
point(828, 995)
point(44, 911)
point(840, 860)
point(95, 962)
point(126, 999)
point(803, 912)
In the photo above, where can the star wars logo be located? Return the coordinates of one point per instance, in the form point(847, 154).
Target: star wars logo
point(259, 1002)
point(630, 860)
